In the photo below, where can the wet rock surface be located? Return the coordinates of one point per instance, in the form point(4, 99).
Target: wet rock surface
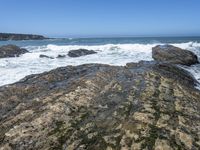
point(11, 51)
point(146, 105)
point(80, 52)
point(174, 55)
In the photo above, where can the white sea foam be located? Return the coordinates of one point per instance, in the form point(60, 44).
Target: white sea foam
point(14, 69)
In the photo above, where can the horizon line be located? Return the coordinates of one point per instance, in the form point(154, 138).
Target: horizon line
point(88, 37)
point(101, 36)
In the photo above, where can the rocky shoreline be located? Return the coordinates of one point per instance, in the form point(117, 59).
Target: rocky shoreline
point(13, 36)
point(145, 105)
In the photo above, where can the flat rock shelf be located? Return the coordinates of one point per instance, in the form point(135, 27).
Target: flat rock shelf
point(145, 105)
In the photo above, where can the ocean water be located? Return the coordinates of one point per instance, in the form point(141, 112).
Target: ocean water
point(113, 51)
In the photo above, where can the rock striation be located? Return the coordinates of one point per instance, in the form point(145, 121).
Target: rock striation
point(174, 55)
point(12, 36)
point(145, 105)
point(11, 51)
point(80, 52)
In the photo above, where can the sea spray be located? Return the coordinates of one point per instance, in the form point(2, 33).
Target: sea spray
point(14, 69)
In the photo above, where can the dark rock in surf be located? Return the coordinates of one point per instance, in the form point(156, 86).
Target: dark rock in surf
point(45, 56)
point(61, 56)
point(80, 52)
point(11, 51)
point(174, 55)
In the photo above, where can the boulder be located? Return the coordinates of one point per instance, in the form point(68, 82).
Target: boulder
point(146, 105)
point(45, 56)
point(11, 51)
point(174, 55)
point(80, 52)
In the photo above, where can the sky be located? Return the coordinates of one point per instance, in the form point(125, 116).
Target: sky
point(101, 18)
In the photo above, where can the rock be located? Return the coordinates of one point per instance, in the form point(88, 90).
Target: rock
point(61, 56)
point(11, 51)
point(12, 36)
point(162, 145)
point(45, 56)
point(174, 55)
point(80, 52)
point(148, 105)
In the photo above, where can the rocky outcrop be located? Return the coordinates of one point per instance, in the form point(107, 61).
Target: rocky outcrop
point(80, 52)
point(144, 105)
point(13, 36)
point(11, 51)
point(174, 55)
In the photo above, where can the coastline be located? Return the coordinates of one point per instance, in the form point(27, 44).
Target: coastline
point(19, 37)
point(139, 105)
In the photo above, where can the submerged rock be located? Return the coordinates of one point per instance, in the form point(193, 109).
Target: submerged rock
point(174, 55)
point(11, 51)
point(80, 52)
point(61, 56)
point(45, 56)
point(144, 105)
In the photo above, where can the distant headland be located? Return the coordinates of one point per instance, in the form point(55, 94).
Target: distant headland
point(14, 36)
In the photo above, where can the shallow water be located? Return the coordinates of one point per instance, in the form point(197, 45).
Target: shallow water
point(114, 51)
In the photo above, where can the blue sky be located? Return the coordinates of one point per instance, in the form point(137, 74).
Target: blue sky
point(87, 18)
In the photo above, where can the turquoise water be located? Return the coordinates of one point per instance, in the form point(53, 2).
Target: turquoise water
point(113, 51)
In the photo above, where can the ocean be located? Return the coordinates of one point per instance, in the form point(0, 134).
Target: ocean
point(113, 51)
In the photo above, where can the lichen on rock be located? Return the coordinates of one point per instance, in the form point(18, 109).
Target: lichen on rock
point(148, 105)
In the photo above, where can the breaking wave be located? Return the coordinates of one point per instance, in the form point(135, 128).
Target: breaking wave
point(13, 69)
